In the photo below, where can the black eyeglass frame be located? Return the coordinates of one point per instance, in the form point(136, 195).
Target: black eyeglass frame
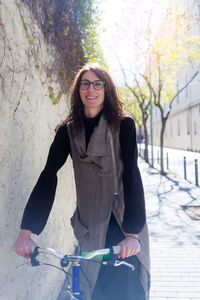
point(93, 83)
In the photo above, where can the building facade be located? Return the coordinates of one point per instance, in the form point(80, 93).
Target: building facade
point(183, 125)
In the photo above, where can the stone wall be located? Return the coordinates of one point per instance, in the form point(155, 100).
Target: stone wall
point(28, 119)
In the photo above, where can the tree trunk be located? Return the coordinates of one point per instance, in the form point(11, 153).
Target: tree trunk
point(146, 153)
point(140, 134)
point(140, 138)
point(162, 172)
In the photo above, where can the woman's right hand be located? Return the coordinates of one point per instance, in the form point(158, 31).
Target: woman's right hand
point(24, 244)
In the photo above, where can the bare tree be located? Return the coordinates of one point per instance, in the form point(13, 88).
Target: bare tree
point(142, 99)
point(170, 53)
point(157, 99)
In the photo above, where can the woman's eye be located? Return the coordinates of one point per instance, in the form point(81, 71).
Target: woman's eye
point(98, 85)
point(84, 84)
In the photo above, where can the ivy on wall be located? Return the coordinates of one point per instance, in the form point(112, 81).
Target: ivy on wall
point(71, 26)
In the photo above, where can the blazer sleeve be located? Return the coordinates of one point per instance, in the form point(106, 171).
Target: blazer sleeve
point(40, 202)
point(134, 214)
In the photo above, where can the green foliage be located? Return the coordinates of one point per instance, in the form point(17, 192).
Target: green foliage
point(54, 99)
point(30, 39)
point(131, 104)
point(71, 26)
point(20, 5)
point(89, 20)
point(174, 48)
point(34, 54)
point(28, 36)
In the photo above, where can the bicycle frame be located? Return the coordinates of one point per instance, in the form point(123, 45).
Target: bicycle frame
point(76, 281)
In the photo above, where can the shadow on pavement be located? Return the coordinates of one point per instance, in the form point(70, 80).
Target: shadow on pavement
point(165, 197)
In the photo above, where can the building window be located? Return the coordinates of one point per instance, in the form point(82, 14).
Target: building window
point(195, 128)
point(171, 132)
point(198, 12)
point(188, 122)
point(178, 127)
point(177, 89)
point(186, 80)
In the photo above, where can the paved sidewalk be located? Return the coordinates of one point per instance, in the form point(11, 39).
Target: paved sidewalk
point(174, 159)
point(174, 237)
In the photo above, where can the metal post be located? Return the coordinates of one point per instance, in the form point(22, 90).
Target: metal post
point(184, 165)
point(196, 172)
point(151, 109)
point(158, 156)
point(167, 160)
point(151, 124)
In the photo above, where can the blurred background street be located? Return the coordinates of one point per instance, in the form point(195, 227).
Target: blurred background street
point(174, 235)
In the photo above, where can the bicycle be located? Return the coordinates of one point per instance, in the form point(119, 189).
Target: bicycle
point(107, 256)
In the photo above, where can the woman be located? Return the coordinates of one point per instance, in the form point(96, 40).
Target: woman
point(101, 140)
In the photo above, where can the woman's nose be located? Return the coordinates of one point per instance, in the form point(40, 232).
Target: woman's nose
point(91, 86)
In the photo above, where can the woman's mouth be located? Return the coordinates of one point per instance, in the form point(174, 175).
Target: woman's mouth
point(91, 98)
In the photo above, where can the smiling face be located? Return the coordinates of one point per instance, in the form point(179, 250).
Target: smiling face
point(91, 98)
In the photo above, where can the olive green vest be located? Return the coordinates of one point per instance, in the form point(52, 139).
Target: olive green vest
point(99, 187)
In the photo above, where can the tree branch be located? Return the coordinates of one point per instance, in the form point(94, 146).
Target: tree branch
point(184, 87)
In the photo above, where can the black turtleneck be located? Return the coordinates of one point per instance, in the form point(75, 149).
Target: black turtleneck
point(42, 197)
point(90, 123)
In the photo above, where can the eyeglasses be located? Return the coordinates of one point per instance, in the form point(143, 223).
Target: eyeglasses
point(97, 84)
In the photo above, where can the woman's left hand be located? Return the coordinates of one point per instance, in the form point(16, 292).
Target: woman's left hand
point(129, 247)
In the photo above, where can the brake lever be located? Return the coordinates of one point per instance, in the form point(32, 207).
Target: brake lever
point(118, 263)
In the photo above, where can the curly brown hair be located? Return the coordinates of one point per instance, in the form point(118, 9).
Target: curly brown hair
point(113, 107)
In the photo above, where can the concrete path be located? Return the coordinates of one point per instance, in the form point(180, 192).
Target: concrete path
point(174, 237)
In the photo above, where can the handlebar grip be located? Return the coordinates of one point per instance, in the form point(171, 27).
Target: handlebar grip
point(34, 254)
point(116, 249)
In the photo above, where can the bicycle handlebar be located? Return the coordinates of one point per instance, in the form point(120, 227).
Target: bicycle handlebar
point(83, 256)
